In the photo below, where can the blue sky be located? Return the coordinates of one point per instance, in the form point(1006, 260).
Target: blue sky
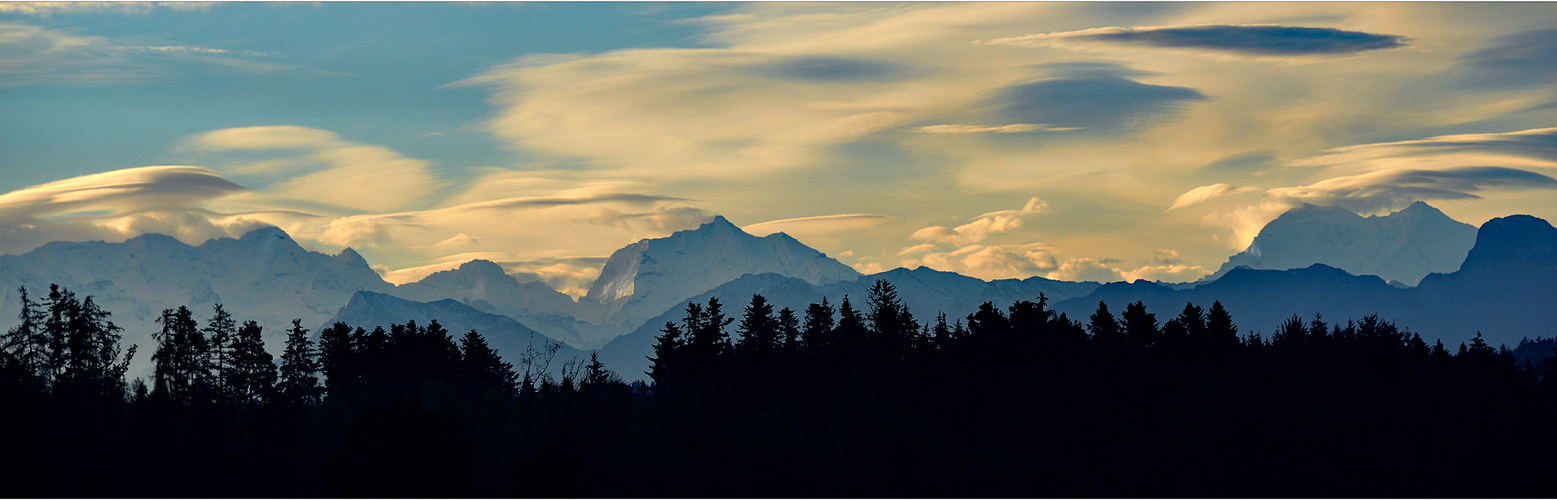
point(1099, 141)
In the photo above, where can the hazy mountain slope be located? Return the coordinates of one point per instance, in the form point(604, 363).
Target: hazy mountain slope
point(643, 279)
point(509, 337)
point(1505, 289)
point(1403, 246)
point(484, 286)
point(263, 276)
point(925, 291)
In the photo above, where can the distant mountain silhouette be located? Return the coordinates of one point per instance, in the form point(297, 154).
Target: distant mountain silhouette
point(263, 276)
point(923, 290)
point(370, 309)
point(643, 279)
point(484, 285)
point(1506, 289)
point(1403, 246)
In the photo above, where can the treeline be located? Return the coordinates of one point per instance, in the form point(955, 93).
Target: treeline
point(835, 400)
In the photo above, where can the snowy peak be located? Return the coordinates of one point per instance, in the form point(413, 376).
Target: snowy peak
point(646, 278)
point(1404, 246)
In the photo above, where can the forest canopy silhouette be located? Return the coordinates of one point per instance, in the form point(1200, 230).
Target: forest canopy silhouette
point(858, 398)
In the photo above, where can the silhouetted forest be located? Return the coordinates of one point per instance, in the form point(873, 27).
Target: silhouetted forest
point(849, 399)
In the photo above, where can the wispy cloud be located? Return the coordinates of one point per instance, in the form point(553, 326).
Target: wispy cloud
point(817, 224)
point(119, 204)
point(1246, 39)
point(38, 55)
point(47, 9)
point(1014, 128)
point(337, 172)
point(1203, 193)
point(982, 226)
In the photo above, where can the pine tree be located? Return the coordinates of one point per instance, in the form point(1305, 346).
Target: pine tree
point(596, 375)
point(482, 369)
point(818, 329)
point(1105, 329)
point(180, 367)
point(27, 343)
point(221, 331)
point(758, 329)
point(1140, 327)
point(298, 383)
point(789, 330)
point(665, 363)
point(252, 377)
point(1219, 326)
point(338, 360)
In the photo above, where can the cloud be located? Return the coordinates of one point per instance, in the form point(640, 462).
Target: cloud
point(1244, 39)
point(1094, 102)
point(1514, 61)
point(671, 113)
point(1000, 129)
point(47, 9)
point(665, 219)
point(988, 261)
point(982, 226)
point(35, 55)
point(117, 205)
point(817, 224)
point(1378, 177)
point(1204, 193)
point(1250, 161)
point(119, 192)
point(1086, 269)
point(338, 173)
point(1379, 191)
point(832, 69)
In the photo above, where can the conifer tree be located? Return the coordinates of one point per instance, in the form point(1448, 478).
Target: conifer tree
point(481, 367)
point(665, 362)
point(758, 328)
point(338, 360)
point(1105, 329)
point(252, 377)
point(180, 364)
point(1219, 326)
point(298, 381)
point(221, 331)
point(789, 330)
point(818, 329)
point(28, 343)
point(1140, 326)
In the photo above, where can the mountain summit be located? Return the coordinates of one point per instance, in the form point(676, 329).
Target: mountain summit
point(1404, 246)
point(644, 279)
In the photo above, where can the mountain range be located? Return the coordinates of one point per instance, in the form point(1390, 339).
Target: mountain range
point(1402, 247)
point(1323, 260)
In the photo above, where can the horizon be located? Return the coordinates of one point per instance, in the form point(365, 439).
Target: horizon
point(578, 294)
point(1079, 142)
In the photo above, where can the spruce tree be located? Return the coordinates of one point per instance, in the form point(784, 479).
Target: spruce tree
point(252, 377)
point(1219, 326)
point(1105, 329)
point(221, 331)
point(298, 383)
point(482, 369)
point(1140, 327)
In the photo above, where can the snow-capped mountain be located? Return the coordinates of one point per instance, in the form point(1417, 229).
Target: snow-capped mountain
point(1505, 289)
point(644, 279)
point(484, 286)
point(1404, 246)
point(263, 276)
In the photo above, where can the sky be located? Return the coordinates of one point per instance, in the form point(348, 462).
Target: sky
point(1076, 141)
